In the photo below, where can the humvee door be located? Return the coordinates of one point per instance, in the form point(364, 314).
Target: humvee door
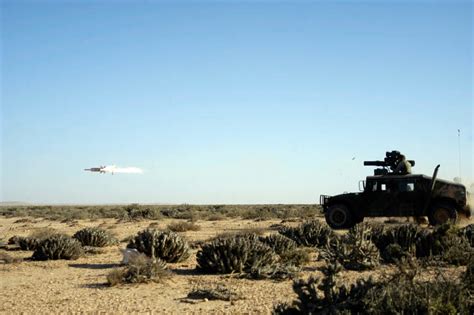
point(378, 199)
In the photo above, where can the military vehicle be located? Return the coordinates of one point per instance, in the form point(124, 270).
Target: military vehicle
point(388, 194)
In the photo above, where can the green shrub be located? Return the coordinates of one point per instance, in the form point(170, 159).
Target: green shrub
point(295, 257)
point(468, 233)
point(311, 233)
point(446, 244)
point(327, 295)
point(140, 269)
point(14, 240)
point(28, 243)
point(399, 293)
point(32, 241)
point(405, 236)
point(468, 276)
point(279, 243)
point(58, 247)
point(165, 245)
point(238, 254)
point(403, 294)
point(95, 236)
point(135, 212)
point(355, 250)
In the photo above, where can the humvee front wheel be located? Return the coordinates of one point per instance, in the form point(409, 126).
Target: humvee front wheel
point(442, 213)
point(338, 216)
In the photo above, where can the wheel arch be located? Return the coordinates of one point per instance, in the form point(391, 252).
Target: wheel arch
point(443, 201)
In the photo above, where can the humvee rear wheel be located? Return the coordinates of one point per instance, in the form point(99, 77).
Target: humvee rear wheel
point(442, 213)
point(339, 217)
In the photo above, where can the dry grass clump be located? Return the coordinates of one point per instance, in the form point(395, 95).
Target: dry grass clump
point(58, 247)
point(95, 237)
point(141, 269)
point(7, 259)
point(216, 292)
point(183, 227)
point(311, 233)
point(165, 245)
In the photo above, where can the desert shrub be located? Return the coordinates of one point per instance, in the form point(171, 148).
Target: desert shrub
point(32, 241)
point(394, 252)
point(287, 249)
point(468, 233)
point(278, 271)
point(327, 295)
point(28, 243)
point(468, 276)
point(215, 217)
point(355, 250)
point(446, 244)
point(295, 257)
point(165, 245)
point(217, 292)
point(92, 250)
point(183, 227)
point(95, 236)
point(401, 293)
point(135, 212)
point(239, 254)
point(14, 240)
point(279, 243)
point(311, 233)
point(141, 269)
point(58, 247)
point(405, 236)
point(377, 232)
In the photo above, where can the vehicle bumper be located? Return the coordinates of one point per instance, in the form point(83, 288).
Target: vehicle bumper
point(323, 199)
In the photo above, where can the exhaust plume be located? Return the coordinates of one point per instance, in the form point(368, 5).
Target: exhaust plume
point(127, 170)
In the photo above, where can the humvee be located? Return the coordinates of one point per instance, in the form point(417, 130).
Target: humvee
point(386, 194)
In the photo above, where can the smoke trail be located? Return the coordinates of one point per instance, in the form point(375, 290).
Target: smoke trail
point(128, 170)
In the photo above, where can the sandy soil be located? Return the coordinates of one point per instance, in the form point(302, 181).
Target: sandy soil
point(80, 286)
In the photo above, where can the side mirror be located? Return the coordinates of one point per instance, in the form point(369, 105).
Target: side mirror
point(361, 185)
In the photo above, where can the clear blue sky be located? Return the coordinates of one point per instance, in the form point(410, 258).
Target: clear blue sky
point(233, 102)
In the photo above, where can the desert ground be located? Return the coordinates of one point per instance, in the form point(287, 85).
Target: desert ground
point(80, 286)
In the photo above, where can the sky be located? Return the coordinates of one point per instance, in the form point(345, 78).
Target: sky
point(229, 101)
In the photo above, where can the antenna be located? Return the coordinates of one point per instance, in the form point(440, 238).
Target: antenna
point(459, 152)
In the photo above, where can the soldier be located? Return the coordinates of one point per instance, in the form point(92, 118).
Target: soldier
point(403, 166)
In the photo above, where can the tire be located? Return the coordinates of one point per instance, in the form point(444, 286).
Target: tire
point(338, 216)
point(441, 213)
